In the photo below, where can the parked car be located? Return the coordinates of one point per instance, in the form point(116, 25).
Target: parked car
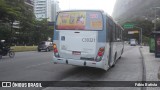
point(45, 45)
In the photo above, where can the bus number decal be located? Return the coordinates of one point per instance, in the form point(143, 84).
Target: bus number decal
point(88, 39)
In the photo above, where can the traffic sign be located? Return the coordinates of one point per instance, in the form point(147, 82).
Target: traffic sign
point(128, 26)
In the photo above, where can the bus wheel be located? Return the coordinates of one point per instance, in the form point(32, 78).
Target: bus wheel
point(121, 54)
point(122, 51)
point(112, 63)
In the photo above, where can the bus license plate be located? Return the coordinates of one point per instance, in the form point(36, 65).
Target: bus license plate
point(76, 53)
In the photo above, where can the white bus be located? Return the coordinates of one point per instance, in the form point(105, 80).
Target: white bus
point(87, 38)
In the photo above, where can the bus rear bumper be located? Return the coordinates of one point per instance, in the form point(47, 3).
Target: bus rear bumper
point(79, 62)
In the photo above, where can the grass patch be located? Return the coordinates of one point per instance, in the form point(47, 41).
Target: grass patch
point(24, 48)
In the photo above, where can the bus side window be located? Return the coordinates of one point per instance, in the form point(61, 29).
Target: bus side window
point(117, 33)
point(122, 35)
point(110, 29)
point(107, 30)
point(114, 31)
point(120, 31)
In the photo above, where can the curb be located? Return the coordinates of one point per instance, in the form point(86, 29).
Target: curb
point(26, 51)
point(143, 69)
point(143, 66)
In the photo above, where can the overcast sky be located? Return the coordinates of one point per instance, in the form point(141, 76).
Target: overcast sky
point(106, 5)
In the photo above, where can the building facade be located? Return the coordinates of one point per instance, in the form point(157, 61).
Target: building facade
point(40, 9)
point(55, 8)
point(45, 9)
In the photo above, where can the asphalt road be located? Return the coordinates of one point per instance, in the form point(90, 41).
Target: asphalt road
point(38, 66)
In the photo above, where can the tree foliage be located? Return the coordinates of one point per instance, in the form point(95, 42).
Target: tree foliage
point(10, 10)
point(30, 31)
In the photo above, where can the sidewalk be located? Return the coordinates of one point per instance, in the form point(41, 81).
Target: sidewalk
point(152, 64)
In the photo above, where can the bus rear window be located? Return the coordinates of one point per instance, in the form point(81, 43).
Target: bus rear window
point(79, 20)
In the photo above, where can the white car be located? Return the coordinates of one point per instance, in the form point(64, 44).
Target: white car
point(133, 42)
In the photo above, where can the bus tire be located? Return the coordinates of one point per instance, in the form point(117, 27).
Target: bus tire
point(121, 54)
point(115, 56)
point(122, 51)
point(113, 64)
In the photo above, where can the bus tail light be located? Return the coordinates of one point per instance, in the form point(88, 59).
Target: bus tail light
point(100, 54)
point(55, 50)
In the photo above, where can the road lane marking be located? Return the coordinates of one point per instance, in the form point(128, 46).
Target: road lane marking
point(37, 65)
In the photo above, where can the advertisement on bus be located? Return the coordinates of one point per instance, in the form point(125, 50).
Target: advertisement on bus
point(79, 21)
point(71, 20)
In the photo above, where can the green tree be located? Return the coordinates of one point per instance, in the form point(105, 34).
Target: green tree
point(31, 31)
point(42, 31)
point(17, 10)
point(10, 11)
